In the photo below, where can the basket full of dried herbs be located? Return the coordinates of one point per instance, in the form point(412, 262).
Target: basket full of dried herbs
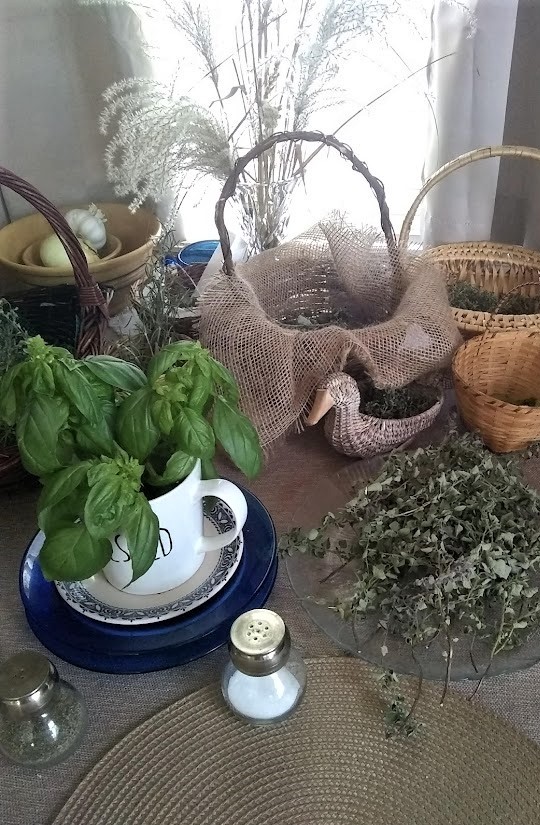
point(433, 564)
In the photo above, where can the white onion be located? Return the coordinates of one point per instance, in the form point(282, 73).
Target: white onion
point(52, 253)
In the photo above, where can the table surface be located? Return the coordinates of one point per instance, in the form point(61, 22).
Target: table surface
point(117, 704)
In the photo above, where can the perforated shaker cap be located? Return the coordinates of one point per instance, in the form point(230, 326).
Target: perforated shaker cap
point(260, 643)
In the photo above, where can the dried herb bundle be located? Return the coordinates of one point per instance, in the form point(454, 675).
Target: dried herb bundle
point(446, 539)
point(12, 337)
point(401, 403)
point(468, 296)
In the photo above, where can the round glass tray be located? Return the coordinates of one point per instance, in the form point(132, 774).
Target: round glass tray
point(316, 582)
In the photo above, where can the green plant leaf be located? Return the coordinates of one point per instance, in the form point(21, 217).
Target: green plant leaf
point(104, 391)
point(141, 529)
point(238, 437)
point(65, 512)
point(116, 372)
point(72, 554)
point(38, 432)
point(78, 390)
point(42, 378)
point(104, 508)
point(136, 431)
point(200, 393)
point(225, 380)
point(97, 440)
point(208, 469)
point(178, 467)
point(163, 415)
point(193, 434)
point(62, 484)
point(161, 363)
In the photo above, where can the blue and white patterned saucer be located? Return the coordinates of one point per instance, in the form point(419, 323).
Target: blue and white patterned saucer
point(98, 599)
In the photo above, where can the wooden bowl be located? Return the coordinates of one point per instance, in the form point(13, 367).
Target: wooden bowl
point(31, 256)
point(136, 231)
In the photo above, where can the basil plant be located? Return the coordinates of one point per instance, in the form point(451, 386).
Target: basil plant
point(100, 434)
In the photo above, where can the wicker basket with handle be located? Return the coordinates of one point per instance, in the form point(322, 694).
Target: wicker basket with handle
point(494, 374)
point(397, 323)
point(495, 267)
point(92, 303)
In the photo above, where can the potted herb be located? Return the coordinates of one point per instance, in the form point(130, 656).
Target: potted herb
point(115, 447)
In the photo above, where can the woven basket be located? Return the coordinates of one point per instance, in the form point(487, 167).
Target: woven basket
point(492, 374)
point(92, 303)
point(495, 267)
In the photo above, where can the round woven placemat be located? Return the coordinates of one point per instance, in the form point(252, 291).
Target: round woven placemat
point(330, 764)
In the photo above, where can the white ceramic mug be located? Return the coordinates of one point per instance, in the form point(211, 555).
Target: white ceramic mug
point(182, 544)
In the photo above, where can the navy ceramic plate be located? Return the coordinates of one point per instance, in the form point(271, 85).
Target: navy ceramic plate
point(126, 649)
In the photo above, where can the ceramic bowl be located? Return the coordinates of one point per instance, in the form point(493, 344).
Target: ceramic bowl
point(31, 257)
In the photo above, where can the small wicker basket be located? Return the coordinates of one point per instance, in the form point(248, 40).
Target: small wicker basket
point(495, 267)
point(493, 375)
point(92, 303)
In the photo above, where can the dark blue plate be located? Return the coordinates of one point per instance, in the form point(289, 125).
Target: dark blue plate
point(126, 649)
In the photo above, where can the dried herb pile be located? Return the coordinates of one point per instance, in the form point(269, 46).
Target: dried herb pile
point(447, 539)
point(12, 337)
point(468, 296)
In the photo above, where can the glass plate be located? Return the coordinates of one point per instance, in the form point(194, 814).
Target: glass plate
point(316, 580)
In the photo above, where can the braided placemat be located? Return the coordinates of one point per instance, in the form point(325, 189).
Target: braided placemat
point(330, 764)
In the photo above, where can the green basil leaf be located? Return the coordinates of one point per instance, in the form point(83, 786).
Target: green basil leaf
point(62, 484)
point(225, 380)
point(42, 379)
point(203, 359)
point(238, 437)
point(38, 432)
point(202, 388)
point(161, 363)
point(78, 390)
point(103, 510)
point(8, 394)
point(105, 392)
point(116, 372)
point(178, 467)
point(141, 529)
point(96, 439)
point(208, 469)
point(65, 512)
point(72, 554)
point(163, 415)
point(193, 434)
point(136, 431)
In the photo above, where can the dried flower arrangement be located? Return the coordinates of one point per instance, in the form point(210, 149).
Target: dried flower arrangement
point(444, 543)
point(464, 295)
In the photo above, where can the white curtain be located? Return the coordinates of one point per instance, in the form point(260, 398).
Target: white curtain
point(469, 93)
point(56, 59)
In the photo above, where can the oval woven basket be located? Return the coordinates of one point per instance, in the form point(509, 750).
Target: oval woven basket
point(495, 267)
point(493, 374)
point(92, 303)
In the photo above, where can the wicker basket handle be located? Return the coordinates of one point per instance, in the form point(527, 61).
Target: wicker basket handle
point(458, 163)
point(93, 305)
point(345, 151)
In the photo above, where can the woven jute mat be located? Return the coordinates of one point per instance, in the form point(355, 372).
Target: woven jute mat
point(330, 764)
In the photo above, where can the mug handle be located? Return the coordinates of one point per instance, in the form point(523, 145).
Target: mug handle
point(233, 498)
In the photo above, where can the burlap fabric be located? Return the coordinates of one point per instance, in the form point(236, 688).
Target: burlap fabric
point(399, 323)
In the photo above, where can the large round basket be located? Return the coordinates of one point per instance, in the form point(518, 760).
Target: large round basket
point(92, 304)
point(495, 267)
point(493, 375)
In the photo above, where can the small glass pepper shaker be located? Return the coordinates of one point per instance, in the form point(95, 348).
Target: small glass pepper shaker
point(42, 717)
point(265, 679)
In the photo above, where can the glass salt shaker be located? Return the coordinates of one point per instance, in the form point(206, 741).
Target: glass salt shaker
point(265, 679)
point(42, 717)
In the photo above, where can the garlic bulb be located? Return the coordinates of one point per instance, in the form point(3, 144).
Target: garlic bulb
point(88, 225)
point(52, 253)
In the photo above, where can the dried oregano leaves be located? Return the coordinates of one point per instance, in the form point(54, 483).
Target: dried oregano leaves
point(446, 536)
